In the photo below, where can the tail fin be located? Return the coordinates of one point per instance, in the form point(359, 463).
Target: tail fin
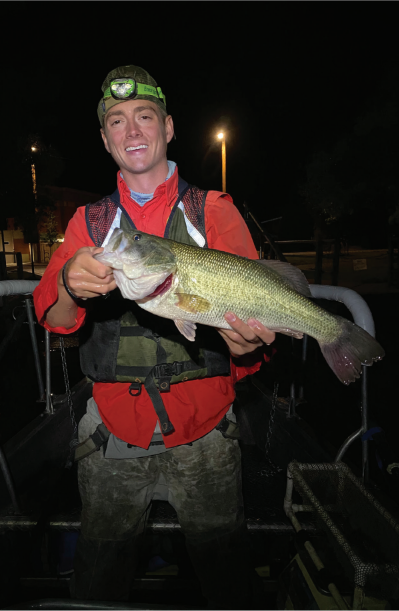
point(353, 348)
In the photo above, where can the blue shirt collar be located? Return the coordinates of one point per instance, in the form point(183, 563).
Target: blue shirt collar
point(142, 198)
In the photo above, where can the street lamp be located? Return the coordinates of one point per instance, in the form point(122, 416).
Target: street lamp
point(33, 168)
point(221, 137)
point(34, 185)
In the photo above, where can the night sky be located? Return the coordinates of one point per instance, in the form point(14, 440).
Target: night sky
point(285, 80)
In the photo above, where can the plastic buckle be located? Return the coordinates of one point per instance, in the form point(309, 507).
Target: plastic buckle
point(229, 430)
point(135, 386)
point(167, 370)
point(99, 437)
point(163, 371)
point(223, 425)
point(177, 368)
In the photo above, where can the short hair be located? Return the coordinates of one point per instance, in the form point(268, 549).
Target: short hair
point(162, 113)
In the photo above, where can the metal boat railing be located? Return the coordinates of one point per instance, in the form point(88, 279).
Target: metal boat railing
point(354, 302)
point(26, 288)
point(363, 318)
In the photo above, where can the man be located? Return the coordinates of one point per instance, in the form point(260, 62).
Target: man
point(156, 403)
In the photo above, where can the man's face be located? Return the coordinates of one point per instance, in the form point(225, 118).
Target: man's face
point(136, 137)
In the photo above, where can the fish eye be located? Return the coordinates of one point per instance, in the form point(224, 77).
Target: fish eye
point(137, 237)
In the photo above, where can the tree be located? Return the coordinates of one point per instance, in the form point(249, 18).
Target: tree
point(50, 234)
point(17, 197)
point(325, 198)
point(355, 184)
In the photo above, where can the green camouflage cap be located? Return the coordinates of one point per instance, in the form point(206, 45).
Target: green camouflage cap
point(147, 89)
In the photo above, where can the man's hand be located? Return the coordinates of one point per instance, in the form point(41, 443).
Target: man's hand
point(86, 277)
point(245, 338)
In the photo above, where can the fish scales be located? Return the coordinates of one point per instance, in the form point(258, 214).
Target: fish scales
point(194, 285)
point(261, 293)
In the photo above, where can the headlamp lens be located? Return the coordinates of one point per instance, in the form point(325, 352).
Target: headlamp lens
point(123, 88)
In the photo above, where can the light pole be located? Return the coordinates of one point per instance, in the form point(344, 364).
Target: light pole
point(34, 185)
point(33, 149)
point(222, 138)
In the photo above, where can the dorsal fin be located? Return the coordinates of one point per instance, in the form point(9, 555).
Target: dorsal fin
point(292, 275)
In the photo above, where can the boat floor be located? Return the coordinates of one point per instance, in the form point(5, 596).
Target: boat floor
point(32, 541)
point(263, 492)
point(51, 508)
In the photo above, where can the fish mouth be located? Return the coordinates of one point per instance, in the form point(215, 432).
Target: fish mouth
point(161, 288)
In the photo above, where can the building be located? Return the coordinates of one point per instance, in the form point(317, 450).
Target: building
point(66, 203)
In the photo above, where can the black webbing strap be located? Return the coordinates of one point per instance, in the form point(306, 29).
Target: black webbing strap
point(229, 429)
point(150, 386)
point(160, 371)
point(92, 443)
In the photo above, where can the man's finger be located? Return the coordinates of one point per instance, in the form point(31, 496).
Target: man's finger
point(88, 264)
point(261, 331)
point(86, 289)
point(238, 339)
point(84, 262)
point(241, 346)
point(240, 327)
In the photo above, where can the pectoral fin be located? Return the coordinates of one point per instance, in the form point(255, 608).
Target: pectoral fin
point(192, 303)
point(186, 328)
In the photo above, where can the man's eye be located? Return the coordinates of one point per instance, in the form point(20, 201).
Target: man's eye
point(145, 117)
point(116, 122)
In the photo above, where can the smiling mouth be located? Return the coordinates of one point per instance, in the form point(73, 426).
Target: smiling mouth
point(136, 148)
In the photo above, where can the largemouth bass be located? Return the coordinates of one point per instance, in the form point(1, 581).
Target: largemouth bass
point(193, 285)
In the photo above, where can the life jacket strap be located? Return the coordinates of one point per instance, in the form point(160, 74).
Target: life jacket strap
point(229, 429)
point(150, 386)
point(165, 372)
point(92, 443)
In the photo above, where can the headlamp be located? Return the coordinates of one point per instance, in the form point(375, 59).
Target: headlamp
point(123, 88)
point(129, 88)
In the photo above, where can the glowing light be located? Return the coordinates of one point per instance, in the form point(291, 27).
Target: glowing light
point(221, 135)
point(33, 148)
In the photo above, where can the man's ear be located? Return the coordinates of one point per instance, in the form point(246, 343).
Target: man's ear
point(104, 137)
point(169, 128)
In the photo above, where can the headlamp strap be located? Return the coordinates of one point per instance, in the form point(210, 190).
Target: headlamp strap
point(142, 89)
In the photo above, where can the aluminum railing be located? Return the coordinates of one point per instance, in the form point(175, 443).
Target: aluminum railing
point(364, 319)
point(354, 302)
point(26, 288)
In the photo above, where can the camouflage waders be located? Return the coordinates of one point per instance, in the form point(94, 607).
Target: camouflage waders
point(204, 486)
